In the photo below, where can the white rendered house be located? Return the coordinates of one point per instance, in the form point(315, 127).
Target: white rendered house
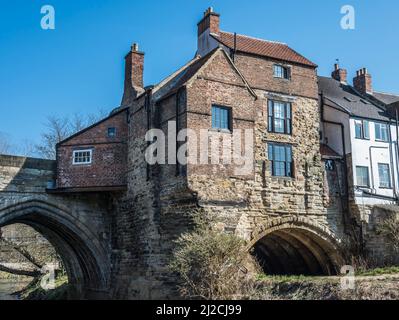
point(356, 124)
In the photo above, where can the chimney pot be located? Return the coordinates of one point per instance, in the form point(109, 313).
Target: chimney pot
point(363, 81)
point(135, 47)
point(134, 70)
point(339, 74)
point(209, 21)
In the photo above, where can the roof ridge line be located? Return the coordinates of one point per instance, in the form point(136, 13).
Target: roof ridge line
point(254, 38)
point(387, 93)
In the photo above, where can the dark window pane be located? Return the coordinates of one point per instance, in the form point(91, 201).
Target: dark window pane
point(358, 130)
point(281, 160)
point(220, 118)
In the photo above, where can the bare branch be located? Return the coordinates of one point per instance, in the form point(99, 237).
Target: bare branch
point(28, 273)
point(23, 252)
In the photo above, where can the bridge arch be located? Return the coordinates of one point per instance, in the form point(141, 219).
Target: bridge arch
point(296, 245)
point(83, 256)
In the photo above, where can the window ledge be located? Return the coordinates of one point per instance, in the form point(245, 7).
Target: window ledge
point(221, 130)
point(283, 178)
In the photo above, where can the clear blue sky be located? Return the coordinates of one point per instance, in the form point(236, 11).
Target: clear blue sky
point(78, 67)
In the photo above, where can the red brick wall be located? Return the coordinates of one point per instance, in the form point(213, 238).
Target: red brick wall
point(219, 84)
point(258, 71)
point(109, 156)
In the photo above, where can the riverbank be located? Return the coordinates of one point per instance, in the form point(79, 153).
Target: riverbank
point(368, 287)
point(9, 286)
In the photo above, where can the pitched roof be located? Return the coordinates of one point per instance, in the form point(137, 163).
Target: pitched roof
point(186, 73)
point(386, 98)
point(327, 152)
point(345, 98)
point(181, 77)
point(276, 50)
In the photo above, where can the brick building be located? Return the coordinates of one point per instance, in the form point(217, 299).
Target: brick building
point(94, 159)
point(287, 206)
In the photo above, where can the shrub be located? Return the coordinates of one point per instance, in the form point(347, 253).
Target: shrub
point(390, 229)
point(212, 265)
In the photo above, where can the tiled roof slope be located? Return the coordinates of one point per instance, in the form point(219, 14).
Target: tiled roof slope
point(348, 100)
point(185, 74)
point(327, 152)
point(386, 98)
point(276, 50)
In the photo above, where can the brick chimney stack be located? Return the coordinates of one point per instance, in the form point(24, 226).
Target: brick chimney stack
point(339, 74)
point(211, 21)
point(134, 71)
point(363, 81)
point(209, 24)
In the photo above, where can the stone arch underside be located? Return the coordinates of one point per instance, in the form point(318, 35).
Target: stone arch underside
point(296, 246)
point(85, 260)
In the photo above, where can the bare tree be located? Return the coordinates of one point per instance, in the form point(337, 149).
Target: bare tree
point(34, 271)
point(60, 128)
point(5, 146)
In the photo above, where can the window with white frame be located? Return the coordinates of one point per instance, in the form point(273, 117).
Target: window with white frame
point(362, 176)
point(381, 131)
point(384, 175)
point(281, 72)
point(362, 129)
point(82, 156)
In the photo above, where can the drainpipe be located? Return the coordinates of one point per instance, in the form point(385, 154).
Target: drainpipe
point(397, 141)
point(392, 163)
point(178, 94)
point(233, 54)
point(343, 151)
point(147, 107)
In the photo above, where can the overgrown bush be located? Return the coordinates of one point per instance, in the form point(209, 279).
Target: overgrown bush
point(390, 228)
point(212, 265)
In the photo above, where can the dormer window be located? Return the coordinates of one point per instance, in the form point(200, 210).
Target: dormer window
point(281, 72)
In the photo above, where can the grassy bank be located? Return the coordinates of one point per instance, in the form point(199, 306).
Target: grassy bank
point(376, 284)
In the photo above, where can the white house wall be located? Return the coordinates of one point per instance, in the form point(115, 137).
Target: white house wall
point(369, 153)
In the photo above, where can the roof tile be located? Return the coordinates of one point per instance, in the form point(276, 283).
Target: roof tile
point(271, 49)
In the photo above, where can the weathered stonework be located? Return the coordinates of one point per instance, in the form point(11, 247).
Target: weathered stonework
point(77, 226)
point(119, 244)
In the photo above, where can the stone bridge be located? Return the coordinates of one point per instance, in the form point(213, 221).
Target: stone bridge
point(78, 226)
point(113, 253)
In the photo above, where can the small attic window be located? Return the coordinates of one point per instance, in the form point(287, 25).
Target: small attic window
point(111, 132)
point(281, 72)
point(364, 101)
point(349, 99)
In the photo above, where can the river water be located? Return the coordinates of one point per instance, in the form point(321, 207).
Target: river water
point(7, 287)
